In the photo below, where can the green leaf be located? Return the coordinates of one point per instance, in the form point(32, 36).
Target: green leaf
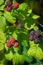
point(2, 37)
point(35, 16)
point(35, 63)
point(2, 7)
point(23, 6)
point(14, 34)
point(9, 17)
point(1, 46)
point(9, 56)
point(28, 59)
point(1, 2)
point(39, 54)
point(35, 51)
point(6, 47)
point(35, 28)
point(32, 44)
point(41, 44)
point(17, 58)
point(2, 61)
point(29, 23)
point(16, 49)
point(1, 64)
point(2, 23)
point(22, 36)
point(29, 11)
point(15, 13)
point(1, 13)
point(14, 1)
point(21, 60)
point(25, 45)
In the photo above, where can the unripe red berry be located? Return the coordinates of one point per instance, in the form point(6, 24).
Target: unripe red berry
point(8, 44)
point(8, 8)
point(31, 38)
point(16, 44)
point(16, 5)
point(12, 40)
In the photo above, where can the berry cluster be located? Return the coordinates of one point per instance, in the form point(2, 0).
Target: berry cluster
point(9, 5)
point(12, 42)
point(34, 35)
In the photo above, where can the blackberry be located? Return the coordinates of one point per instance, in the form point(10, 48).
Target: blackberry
point(9, 3)
point(36, 41)
point(37, 33)
point(32, 33)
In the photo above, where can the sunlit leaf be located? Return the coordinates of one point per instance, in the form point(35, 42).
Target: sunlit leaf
point(9, 17)
point(2, 37)
point(35, 16)
point(23, 6)
point(2, 23)
point(9, 55)
point(1, 2)
point(1, 46)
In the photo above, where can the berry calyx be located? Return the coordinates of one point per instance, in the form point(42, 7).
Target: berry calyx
point(8, 8)
point(16, 44)
point(16, 5)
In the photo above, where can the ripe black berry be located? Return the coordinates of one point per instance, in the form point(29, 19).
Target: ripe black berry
point(36, 41)
point(37, 33)
point(32, 33)
point(35, 37)
point(9, 3)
